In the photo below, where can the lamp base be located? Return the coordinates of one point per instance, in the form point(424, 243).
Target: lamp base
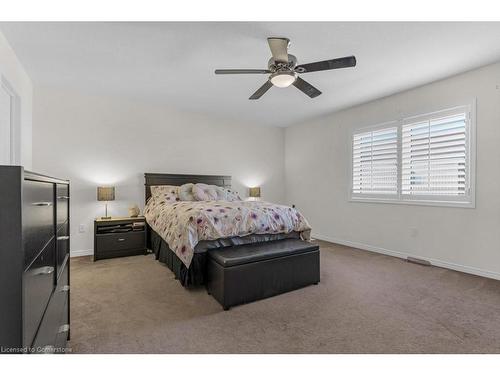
point(105, 217)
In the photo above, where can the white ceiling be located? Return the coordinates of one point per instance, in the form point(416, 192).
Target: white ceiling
point(173, 63)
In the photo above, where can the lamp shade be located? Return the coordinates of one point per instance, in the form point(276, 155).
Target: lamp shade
point(105, 193)
point(254, 192)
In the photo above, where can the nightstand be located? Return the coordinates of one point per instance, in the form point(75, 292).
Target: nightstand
point(119, 236)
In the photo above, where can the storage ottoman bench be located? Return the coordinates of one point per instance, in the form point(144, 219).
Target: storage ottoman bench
point(241, 274)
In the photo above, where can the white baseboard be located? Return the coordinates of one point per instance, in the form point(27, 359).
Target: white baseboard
point(399, 254)
point(81, 253)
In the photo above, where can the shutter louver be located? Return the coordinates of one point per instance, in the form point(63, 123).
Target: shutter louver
point(374, 162)
point(434, 155)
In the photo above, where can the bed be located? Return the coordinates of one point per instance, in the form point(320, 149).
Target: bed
point(191, 270)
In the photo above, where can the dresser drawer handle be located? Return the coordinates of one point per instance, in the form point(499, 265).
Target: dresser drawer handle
point(121, 239)
point(65, 288)
point(63, 238)
point(64, 328)
point(44, 271)
point(42, 204)
point(63, 197)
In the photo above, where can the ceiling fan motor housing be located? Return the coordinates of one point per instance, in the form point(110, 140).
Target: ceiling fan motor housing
point(274, 66)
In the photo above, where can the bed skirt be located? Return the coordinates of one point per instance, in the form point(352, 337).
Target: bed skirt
point(192, 276)
point(195, 275)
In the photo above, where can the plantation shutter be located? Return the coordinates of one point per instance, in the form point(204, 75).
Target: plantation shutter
point(375, 162)
point(434, 157)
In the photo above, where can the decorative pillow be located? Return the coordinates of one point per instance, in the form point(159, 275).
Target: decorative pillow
point(232, 196)
point(186, 192)
point(204, 192)
point(221, 193)
point(165, 193)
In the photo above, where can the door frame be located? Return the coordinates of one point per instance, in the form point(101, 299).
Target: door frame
point(15, 121)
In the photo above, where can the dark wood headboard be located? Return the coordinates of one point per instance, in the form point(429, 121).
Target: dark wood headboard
point(152, 179)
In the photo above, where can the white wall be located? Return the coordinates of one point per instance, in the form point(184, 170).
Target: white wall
point(96, 140)
point(317, 162)
point(13, 72)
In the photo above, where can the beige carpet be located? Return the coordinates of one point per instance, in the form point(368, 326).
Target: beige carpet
point(365, 303)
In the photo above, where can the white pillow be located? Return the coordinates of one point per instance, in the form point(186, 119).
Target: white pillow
point(204, 192)
point(232, 196)
point(186, 192)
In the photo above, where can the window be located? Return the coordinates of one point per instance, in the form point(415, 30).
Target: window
point(425, 159)
point(375, 162)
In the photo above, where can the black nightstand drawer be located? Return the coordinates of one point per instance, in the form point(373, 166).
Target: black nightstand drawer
point(120, 241)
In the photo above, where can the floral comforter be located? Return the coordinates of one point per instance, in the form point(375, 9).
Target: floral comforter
point(183, 224)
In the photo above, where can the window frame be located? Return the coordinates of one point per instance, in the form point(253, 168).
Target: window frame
point(467, 201)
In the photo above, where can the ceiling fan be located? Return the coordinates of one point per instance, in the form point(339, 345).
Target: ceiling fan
point(283, 69)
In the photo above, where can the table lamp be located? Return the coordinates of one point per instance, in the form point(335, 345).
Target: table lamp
point(106, 194)
point(254, 193)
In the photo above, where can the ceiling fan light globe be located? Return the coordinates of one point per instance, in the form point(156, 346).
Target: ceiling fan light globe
point(283, 79)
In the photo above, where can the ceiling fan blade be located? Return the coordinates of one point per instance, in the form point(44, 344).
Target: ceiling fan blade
point(279, 48)
point(261, 91)
point(306, 88)
point(242, 71)
point(343, 62)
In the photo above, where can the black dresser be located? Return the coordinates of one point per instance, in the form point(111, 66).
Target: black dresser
point(34, 262)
